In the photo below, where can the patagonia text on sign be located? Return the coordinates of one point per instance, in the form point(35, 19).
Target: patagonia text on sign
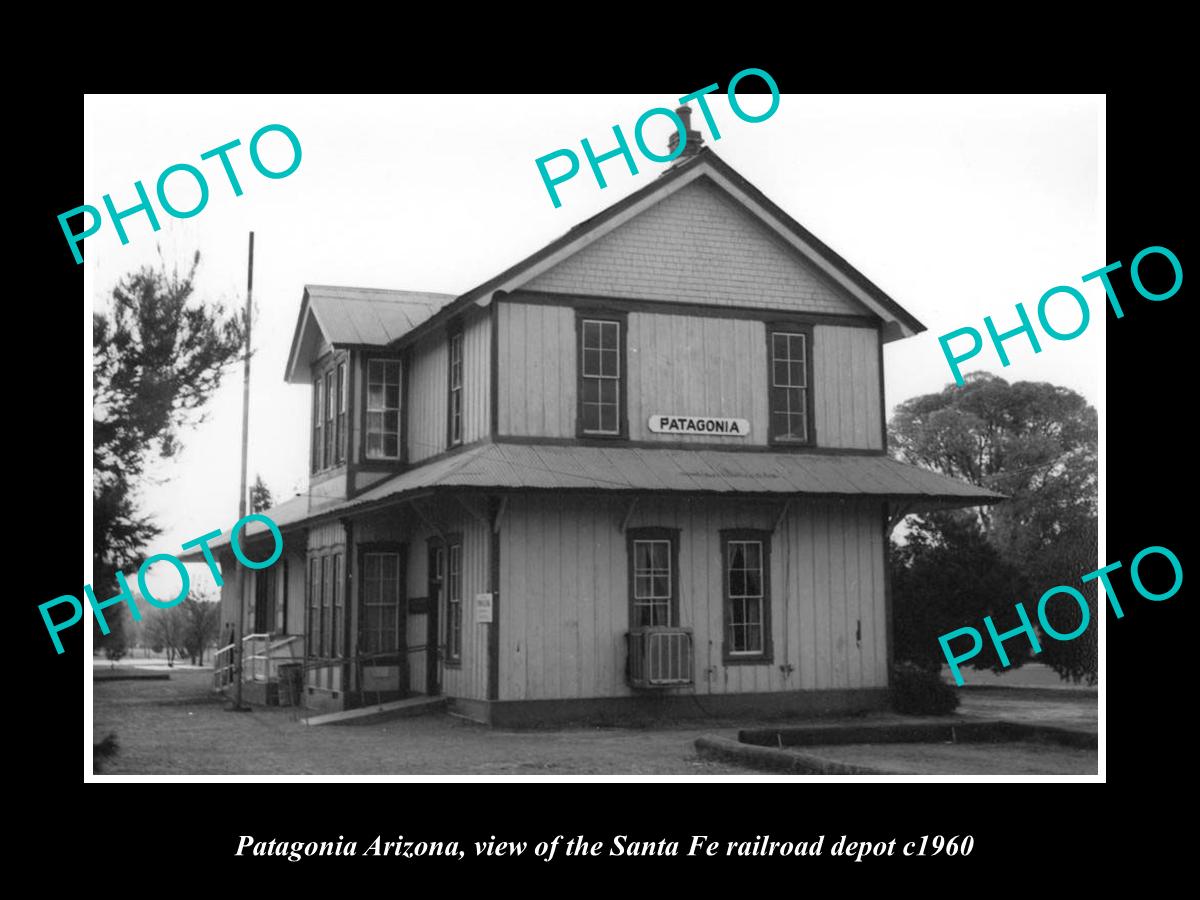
point(127, 596)
point(1026, 327)
point(145, 206)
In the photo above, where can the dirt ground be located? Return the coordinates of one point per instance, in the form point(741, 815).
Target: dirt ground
point(178, 727)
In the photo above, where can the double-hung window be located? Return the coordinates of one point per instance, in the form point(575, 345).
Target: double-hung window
point(331, 387)
point(326, 606)
point(746, 564)
point(312, 624)
point(330, 415)
point(653, 577)
point(318, 444)
point(790, 395)
point(342, 388)
point(601, 376)
point(383, 409)
point(454, 601)
point(454, 412)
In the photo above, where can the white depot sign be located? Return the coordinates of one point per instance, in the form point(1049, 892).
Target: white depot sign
point(662, 424)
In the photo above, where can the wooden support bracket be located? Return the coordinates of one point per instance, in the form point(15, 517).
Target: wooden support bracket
point(629, 513)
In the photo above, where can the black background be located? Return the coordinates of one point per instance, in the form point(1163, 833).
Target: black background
point(188, 832)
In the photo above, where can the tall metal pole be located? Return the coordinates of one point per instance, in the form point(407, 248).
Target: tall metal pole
point(241, 574)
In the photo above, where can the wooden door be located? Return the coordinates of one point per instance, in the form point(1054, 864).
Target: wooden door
point(382, 639)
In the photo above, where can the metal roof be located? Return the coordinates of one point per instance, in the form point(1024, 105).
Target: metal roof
point(290, 512)
point(350, 316)
point(515, 275)
point(547, 467)
point(510, 466)
point(370, 316)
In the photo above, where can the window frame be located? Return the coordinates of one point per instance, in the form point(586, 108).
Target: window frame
point(383, 411)
point(804, 330)
point(332, 377)
point(455, 392)
point(312, 608)
point(454, 605)
point(621, 320)
point(343, 388)
point(729, 656)
point(652, 533)
point(318, 421)
point(326, 604)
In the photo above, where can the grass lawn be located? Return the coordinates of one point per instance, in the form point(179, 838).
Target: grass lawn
point(179, 727)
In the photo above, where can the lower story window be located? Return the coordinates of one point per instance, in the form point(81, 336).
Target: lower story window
point(747, 572)
point(654, 578)
point(454, 602)
point(324, 622)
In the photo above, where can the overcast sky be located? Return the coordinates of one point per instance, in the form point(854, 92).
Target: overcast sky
point(958, 207)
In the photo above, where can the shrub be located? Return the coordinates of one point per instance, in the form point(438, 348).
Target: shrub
point(920, 692)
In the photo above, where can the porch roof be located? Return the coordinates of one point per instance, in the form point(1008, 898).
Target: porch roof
point(554, 467)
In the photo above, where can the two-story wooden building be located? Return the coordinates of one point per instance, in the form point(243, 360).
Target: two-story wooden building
point(643, 469)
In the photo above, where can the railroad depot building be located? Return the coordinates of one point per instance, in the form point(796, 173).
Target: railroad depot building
point(642, 471)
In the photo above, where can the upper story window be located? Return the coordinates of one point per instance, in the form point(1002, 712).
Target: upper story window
point(330, 415)
point(383, 409)
point(790, 351)
point(330, 387)
point(454, 413)
point(318, 442)
point(602, 376)
point(342, 389)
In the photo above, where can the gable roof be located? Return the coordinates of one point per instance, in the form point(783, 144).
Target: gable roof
point(371, 317)
point(356, 317)
point(898, 322)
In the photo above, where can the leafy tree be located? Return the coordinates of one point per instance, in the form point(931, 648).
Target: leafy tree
point(947, 575)
point(157, 359)
point(202, 621)
point(1036, 443)
point(165, 629)
point(260, 496)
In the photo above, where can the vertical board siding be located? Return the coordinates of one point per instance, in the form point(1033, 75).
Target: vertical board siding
point(682, 365)
point(477, 377)
point(846, 382)
point(691, 366)
point(537, 370)
point(426, 395)
point(564, 585)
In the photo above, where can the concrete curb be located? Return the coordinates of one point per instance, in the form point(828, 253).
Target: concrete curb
point(758, 757)
point(959, 731)
point(385, 712)
point(129, 676)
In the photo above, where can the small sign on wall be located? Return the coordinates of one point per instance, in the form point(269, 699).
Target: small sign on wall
point(483, 608)
point(706, 425)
